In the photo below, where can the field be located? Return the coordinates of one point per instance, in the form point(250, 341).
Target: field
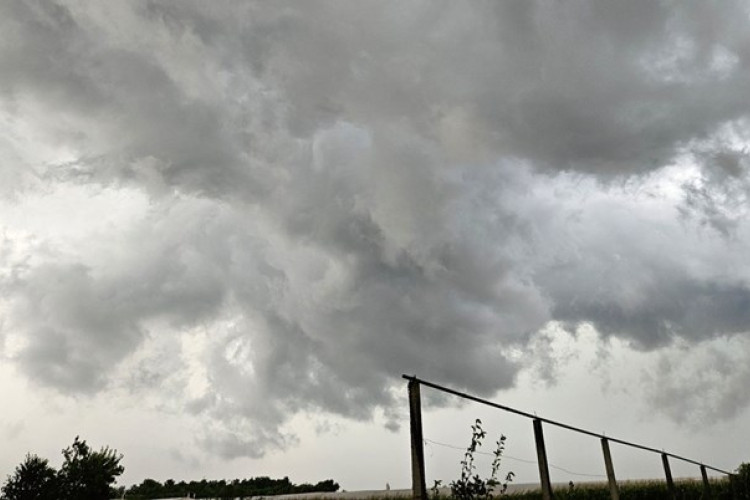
point(629, 490)
point(641, 490)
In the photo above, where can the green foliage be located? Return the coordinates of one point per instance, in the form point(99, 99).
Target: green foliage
point(741, 481)
point(33, 479)
point(84, 475)
point(470, 486)
point(87, 474)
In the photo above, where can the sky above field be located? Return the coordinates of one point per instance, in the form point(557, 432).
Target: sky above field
point(228, 228)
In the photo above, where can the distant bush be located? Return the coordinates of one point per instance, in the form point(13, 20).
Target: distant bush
point(236, 488)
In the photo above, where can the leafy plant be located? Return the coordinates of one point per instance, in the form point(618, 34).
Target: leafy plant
point(435, 490)
point(470, 486)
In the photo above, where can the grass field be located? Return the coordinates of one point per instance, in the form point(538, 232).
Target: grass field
point(632, 490)
point(629, 490)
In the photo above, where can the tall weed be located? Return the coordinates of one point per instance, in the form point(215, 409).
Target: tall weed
point(471, 486)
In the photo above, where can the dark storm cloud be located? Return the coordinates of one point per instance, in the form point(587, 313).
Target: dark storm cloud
point(342, 192)
point(78, 320)
point(719, 198)
point(574, 85)
point(674, 308)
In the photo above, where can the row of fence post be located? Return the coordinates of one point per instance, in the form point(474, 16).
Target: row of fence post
point(417, 450)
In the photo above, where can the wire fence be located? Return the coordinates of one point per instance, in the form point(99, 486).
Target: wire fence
point(462, 449)
point(418, 442)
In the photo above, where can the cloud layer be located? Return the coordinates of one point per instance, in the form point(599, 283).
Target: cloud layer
point(326, 195)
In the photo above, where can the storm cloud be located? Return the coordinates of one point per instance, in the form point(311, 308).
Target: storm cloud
point(330, 194)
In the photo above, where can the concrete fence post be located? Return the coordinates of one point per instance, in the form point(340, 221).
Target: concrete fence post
point(614, 492)
point(668, 475)
point(418, 485)
point(706, 483)
point(541, 454)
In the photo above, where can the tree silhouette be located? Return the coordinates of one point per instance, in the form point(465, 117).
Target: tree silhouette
point(87, 474)
point(84, 475)
point(33, 479)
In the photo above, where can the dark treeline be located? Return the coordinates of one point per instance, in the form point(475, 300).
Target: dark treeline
point(257, 486)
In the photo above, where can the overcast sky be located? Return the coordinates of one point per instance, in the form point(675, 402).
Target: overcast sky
point(228, 228)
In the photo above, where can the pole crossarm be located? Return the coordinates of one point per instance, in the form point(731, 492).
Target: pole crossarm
point(579, 430)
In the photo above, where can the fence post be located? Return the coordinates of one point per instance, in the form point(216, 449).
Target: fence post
point(668, 475)
point(541, 454)
point(613, 491)
point(706, 484)
point(418, 486)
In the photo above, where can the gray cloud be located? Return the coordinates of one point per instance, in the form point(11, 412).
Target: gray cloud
point(343, 192)
point(701, 384)
point(719, 197)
